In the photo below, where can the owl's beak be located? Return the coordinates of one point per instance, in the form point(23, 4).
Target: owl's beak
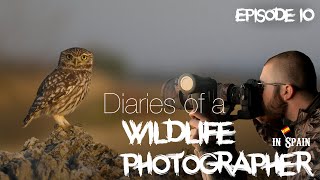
point(76, 61)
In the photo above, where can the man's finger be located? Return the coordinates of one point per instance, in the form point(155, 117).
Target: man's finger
point(197, 149)
point(194, 123)
point(194, 134)
point(197, 115)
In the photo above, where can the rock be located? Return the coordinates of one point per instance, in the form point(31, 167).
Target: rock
point(68, 155)
point(63, 155)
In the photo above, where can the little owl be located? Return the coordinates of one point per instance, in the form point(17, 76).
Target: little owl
point(62, 91)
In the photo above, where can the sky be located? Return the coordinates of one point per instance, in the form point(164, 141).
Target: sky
point(157, 36)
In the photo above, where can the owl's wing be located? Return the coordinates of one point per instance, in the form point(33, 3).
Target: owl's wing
point(54, 87)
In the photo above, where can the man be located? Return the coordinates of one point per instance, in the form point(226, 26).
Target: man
point(290, 98)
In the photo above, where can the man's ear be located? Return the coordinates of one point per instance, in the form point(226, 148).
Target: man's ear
point(288, 92)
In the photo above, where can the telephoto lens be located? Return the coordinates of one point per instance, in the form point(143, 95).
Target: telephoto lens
point(205, 90)
point(171, 91)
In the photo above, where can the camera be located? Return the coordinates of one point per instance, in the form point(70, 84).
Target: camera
point(204, 91)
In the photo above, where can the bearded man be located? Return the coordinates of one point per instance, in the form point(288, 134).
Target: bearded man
point(290, 99)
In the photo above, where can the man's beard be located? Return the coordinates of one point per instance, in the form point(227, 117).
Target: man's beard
point(277, 106)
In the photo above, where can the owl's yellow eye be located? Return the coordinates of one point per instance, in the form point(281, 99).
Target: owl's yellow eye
point(69, 56)
point(84, 57)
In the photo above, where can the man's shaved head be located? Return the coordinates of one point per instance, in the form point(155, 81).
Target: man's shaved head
point(295, 68)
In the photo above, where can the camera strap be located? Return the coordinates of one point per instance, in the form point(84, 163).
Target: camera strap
point(314, 105)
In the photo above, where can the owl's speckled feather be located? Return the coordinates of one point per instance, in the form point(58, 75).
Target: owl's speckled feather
point(62, 90)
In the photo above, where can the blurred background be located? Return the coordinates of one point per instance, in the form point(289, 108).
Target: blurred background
point(138, 45)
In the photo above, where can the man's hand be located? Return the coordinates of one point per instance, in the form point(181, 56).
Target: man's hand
point(196, 117)
point(194, 123)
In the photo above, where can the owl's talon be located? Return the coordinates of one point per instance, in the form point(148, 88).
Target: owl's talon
point(62, 122)
point(67, 128)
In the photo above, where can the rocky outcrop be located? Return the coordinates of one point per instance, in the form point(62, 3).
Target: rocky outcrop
point(68, 155)
point(63, 155)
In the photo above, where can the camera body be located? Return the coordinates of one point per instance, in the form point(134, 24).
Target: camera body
point(204, 91)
